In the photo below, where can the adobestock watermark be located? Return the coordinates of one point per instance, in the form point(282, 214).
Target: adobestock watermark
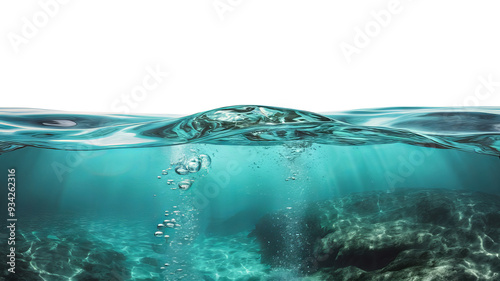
point(32, 25)
point(408, 164)
point(486, 88)
point(364, 35)
point(80, 151)
point(126, 102)
point(222, 178)
point(223, 7)
point(75, 156)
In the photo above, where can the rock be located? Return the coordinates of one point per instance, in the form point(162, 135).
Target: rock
point(75, 256)
point(427, 234)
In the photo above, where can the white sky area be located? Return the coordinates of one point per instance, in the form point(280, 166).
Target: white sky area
point(182, 57)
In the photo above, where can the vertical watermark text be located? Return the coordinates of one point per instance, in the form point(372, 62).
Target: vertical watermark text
point(11, 220)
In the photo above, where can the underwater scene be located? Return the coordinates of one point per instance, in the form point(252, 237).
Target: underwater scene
point(251, 193)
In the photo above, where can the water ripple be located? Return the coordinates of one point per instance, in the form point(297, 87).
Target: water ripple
point(467, 129)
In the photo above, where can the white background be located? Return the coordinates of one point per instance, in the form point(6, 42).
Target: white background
point(91, 55)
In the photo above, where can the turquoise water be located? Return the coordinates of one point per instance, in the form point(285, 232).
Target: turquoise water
point(254, 193)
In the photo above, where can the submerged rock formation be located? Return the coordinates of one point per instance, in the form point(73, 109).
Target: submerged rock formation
point(411, 234)
point(76, 257)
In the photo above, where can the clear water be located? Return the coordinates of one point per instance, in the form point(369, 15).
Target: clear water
point(254, 193)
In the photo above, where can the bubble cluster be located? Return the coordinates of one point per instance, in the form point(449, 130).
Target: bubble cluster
point(187, 166)
point(187, 169)
point(166, 225)
point(293, 177)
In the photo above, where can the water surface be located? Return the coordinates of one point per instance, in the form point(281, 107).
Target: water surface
point(255, 193)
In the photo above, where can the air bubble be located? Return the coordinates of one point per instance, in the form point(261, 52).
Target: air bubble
point(164, 172)
point(185, 184)
point(160, 225)
point(170, 225)
point(158, 234)
point(159, 177)
point(205, 161)
point(194, 165)
point(181, 170)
